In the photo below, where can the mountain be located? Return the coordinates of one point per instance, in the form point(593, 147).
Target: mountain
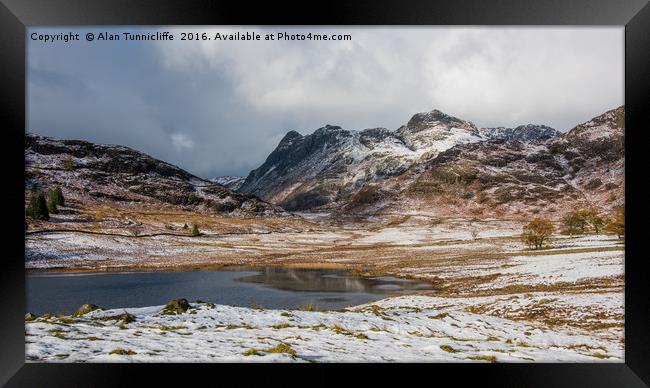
point(231, 182)
point(330, 165)
point(111, 173)
point(442, 164)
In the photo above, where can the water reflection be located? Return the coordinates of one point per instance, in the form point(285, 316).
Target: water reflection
point(330, 281)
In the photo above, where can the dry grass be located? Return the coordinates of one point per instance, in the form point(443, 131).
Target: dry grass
point(122, 352)
point(491, 359)
point(281, 326)
point(281, 348)
point(448, 349)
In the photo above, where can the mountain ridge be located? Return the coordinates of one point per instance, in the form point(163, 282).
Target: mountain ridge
point(335, 168)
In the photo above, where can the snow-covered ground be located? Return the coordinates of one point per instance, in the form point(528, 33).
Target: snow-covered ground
point(409, 328)
point(495, 299)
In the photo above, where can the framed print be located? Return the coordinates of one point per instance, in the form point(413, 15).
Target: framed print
point(219, 186)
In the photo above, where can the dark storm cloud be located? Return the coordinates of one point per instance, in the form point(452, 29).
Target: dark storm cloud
point(220, 108)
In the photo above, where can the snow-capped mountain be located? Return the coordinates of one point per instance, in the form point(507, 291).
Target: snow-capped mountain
point(436, 131)
point(108, 173)
point(445, 164)
point(328, 166)
point(583, 168)
point(435, 163)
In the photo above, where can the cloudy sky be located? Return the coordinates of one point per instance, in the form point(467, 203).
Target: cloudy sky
point(219, 108)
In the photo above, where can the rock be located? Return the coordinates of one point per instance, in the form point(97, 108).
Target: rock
point(85, 309)
point(176, 306)
point(30, 317)
point(125, 318)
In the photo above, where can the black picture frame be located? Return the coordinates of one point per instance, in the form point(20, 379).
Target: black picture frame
point(17, 15)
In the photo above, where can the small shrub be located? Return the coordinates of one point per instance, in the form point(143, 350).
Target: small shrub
point(195, 230)
point(192, 199)
point(68, 164)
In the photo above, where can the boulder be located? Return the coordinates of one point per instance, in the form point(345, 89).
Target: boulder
point(176, 306)
point(125, 318)
point(85, 309)
point(30, 317)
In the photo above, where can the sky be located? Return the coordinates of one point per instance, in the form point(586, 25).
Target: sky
point(220, 107)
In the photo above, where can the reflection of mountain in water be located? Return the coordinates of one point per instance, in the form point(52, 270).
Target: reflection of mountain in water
point(329, 281)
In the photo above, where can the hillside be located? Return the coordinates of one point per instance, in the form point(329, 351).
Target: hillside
point(95, 173)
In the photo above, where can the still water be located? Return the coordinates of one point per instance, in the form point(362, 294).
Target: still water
point(270, 288)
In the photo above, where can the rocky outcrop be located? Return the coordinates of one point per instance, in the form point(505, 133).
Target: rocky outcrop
point(524, 133)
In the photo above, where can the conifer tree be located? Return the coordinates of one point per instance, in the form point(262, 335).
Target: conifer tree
point(37, 208)
point(51, 205)
point(56, 194)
